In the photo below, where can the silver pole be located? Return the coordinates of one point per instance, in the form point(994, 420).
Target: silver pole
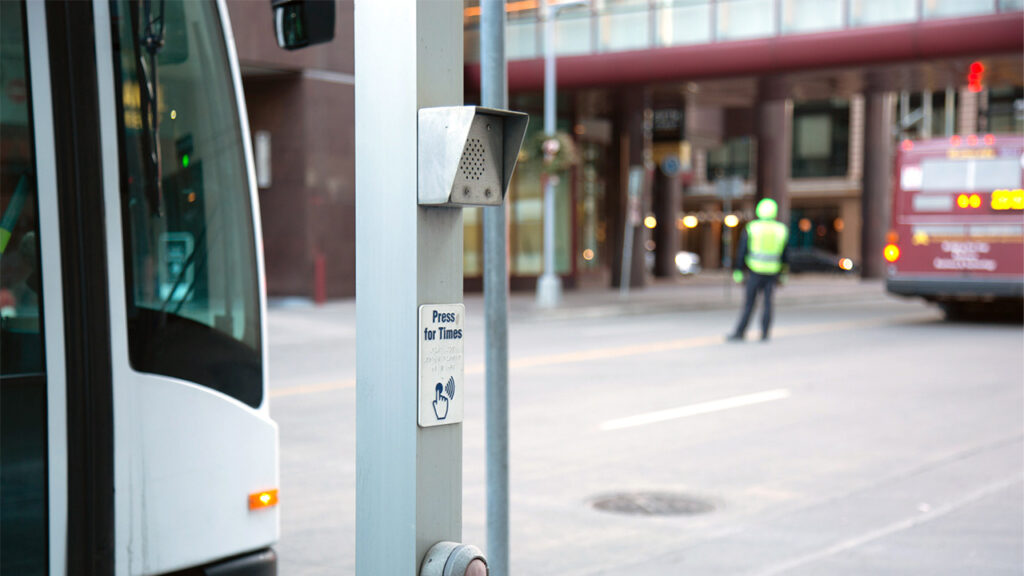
point(494, 94)
point(549, 285)
point(408, 55)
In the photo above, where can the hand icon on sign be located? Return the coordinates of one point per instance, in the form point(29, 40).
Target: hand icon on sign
point(440, 402)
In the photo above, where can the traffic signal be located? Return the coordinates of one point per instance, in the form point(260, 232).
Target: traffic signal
point(975, 76)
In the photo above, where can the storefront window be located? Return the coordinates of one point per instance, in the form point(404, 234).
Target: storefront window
point(821, 139)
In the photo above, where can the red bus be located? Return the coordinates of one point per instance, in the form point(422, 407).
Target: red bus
point(957, 230)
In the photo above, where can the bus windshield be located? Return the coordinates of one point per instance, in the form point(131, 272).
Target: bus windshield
point(191, 277)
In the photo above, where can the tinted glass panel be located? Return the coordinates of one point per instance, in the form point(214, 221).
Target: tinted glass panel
point(23, 534)
point(193, 310)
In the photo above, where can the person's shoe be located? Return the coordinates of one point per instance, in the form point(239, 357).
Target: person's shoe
point(734, 338)
point(764, 338)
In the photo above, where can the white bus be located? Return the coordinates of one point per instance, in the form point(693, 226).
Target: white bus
point(136, 434)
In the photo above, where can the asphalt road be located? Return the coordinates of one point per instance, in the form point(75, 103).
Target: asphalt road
point(866, 438)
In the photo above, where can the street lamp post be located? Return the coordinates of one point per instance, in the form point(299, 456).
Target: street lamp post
point(549, 285)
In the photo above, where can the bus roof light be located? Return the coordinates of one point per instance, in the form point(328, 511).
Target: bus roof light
point(907, 145)
point(972, 140)
point(264, 499)
point(955, 140)
point(990, 139)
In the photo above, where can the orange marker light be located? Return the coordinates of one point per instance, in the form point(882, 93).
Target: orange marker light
point(972, 140)
point(891, 253)
point(963, 201)
point(990, 139)
point(955, 140)
point(265, 499)
point(975, 201)
point(907, 145)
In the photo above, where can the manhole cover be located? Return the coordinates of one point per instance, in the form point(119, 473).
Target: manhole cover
point(653, 504)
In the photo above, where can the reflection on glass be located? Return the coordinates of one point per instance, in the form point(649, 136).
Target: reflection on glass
point(624, 25)
point(23, 496)
point(955, 8)
point(802, 16)
point(683, 22)
point(193, 308)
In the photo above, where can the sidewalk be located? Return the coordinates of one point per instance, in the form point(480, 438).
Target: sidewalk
point(710, 290)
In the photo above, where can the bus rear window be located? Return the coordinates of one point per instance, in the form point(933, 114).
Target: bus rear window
point(191, 276)
point(969, 174)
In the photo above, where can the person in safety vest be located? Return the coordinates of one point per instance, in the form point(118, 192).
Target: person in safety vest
point(762, 256)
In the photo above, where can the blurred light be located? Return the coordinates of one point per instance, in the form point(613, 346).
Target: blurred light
point(690, 221)
point(821, 230)
point(651, 222)
point(846, 264)
point(907, 145)
point(975, 201)
point(184, 161)
point(588, 254)
point(650, 245)
point(191, 197)
point(579, 129)
point(804, 225)
point(955, 140)
point(974, 78)
point(892, 237)
point(990, 139)
point(891, 253)
point(264, 499)
point(838, 224)
point(920, 238)
point(972, 140)
point(174, 114)
point(963, 201)
point(1007, 199)
point(731, 220)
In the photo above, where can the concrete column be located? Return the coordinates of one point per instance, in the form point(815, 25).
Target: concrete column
point(668, 199)
point(875, 195)
point(774, 143)
point(634, 143)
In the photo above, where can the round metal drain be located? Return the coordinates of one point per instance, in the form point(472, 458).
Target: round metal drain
point(653, 504)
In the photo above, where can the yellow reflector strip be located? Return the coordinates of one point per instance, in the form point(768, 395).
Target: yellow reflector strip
point(264, 499)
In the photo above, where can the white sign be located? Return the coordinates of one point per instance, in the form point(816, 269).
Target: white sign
point(442, 364)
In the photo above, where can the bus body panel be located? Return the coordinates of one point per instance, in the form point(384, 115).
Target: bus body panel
point(958, 236)
point(187, 457)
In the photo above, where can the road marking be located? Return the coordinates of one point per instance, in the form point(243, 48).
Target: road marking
point(893, 528)
point(696, 409)
point(630, 350)
point(312, 388)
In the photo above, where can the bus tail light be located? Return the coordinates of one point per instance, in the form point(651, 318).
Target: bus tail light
point(891, 253)
point(892, 237)
point(264, 499)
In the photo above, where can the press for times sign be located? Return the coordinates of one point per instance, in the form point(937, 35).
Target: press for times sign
point(441, 364)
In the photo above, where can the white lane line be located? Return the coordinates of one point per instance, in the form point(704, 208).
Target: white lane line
point(906, 524)
point(696, 409)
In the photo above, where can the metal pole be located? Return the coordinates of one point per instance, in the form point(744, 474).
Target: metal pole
point(494, 94)
point(549, 285)
point(408, 56)
point(950, 111)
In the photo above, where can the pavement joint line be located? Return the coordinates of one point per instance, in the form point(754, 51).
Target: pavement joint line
point(696, 409)
point(893, 528)
point(625, 351)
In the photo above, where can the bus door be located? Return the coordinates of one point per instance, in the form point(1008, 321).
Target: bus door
point(136, 436)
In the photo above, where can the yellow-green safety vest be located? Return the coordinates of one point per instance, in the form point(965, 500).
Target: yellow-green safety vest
point(766, 239)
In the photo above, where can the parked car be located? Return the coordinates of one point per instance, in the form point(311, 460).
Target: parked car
point(818, 260)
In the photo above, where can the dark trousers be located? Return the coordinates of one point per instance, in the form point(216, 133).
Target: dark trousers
point(757, 283)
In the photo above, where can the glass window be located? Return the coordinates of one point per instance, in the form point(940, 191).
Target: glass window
point(190, 261)
point(625, 25)
point(684, 22)
point(878, 12)
point(953, 8)
point(801, 16)
point(821, 142)
point(743, 19)
point(23, 533)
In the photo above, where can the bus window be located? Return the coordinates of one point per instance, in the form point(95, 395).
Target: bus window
point(190, 261)
point(23, 536)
